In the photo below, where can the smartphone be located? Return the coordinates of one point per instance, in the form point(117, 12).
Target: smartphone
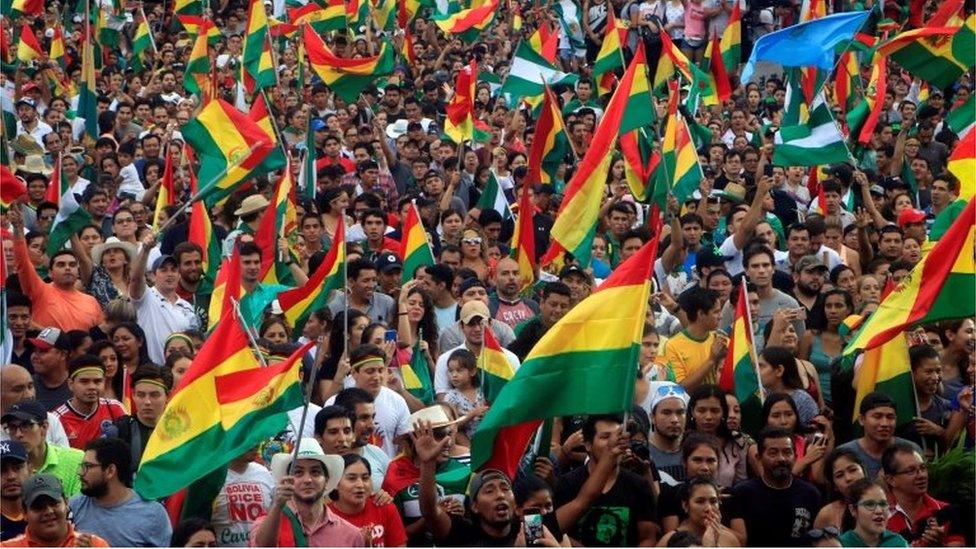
point(532, 526)
point(768, 170)
point(390, 335)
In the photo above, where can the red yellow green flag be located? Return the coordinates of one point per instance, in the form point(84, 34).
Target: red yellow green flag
point(523, 239)
point(11, 188)
point(740, 375)
point(56, 48)
point(939, 55)
point(495, 368)
point(716, 69)
point(167, 193)
point(673, 60)
point(193, 24)
point(962, 164)
point(941, 287)
point(469, 23)
point(227, 287)
point(414, 247)
point(680, 169)
point(874, 97)
point(596, 344)
point(323, 19)
point(141, 43)
point(545, 42)
point(731, 43)
point(257, 64)
point(550, 145)
point(261, 115)
point(27, 7)
point(229, 145)
point(28, 49)
point(188, 7)
point(459, 125)
point(196, 77)
point(346, 77)
point(611, 54)
point(579, 212)
point(887, 368)
point(201, 233)
point(299, 303)
point(280, 221)
point(224, 405)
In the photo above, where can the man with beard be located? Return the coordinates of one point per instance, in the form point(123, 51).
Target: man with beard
point(299, 509)
point(360, 404)
point(669, 402)
point(109, 507)
point(877, 415)
point(47, 517)
point(809, 274)
point(13, 473)
point(86, 411)
point(556, 301)
point(26, 422)
point(189, 263)
point(775, 509)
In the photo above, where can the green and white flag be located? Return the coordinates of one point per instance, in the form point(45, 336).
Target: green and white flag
point(9, 112)
point(571, 22)
point(530, 72)
point(962, 118)
point(494, 198)
point(70, 219)
point(814, 143)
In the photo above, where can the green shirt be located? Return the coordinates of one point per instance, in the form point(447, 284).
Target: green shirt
point(255, 302)
point(888, 539)
point(63, 462)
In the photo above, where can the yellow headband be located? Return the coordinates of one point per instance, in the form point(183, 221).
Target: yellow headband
point(368, 360)
point(155, 382)
point(88, 370)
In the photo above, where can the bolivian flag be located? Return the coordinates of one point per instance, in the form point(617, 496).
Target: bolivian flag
point(495, 368)
point(938, 55)
point(28, 49)
point(740, 375)
point(196, 77)
point(731, 43)
point(523, 240)
point(941, 287)
point(584, 364)
point(611, 54)
point(459, 125)
point(229, 145)
point(11, 189)
point(278, 221)
point(201, 233)
point(346, 77)
point(258, 67)
point(550, 144)
point(414, 247)
point(962, 164)
point(673, 60)
point(322, 19)
point(416, 376)
point(193, 24)
point(141, 43)
point(55, 50)
point(225, 404)
point(227, 286)
point(299, 303)
point(167, 193)
point(468, 23)
point(681, 171)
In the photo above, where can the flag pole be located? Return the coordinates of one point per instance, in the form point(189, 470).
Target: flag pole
point(313, 375)
point(250, 334)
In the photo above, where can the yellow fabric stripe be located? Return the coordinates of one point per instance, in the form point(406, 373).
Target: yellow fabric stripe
point(575, 221)
point(224, 133)
point(740, 341)
point(495, 363)
point(232, 412)
point(880, 364)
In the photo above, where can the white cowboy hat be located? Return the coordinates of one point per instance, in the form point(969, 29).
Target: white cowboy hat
point(251, 204)
point(309, 448)
point(112, 243)
point(397, 128)
point(435, 414)
point(34, 163)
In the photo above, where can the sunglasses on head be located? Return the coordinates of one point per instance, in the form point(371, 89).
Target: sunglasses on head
point(825, 532)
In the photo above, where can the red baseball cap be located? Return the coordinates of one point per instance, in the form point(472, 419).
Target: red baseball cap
point(910, 216)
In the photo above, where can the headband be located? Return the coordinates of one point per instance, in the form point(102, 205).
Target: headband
point(88, 370)
point(181, 336)
point(153, 381)
point(368, 360)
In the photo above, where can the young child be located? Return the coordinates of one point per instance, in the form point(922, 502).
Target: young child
point(465, 394)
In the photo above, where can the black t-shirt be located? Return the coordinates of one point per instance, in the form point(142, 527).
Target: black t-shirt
point(612, 519)
point(467, 532)
point(775, 517)
point(10, 528)
point(51, 398)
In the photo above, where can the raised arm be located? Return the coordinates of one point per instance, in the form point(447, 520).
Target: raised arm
point(754, 215)
point(427, 449)
point(137, 276)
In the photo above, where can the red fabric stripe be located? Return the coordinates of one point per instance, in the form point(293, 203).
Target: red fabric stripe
point(717, 66)
point(727, 378)
point(637, 269)
point(509, 446)
point(246, 383)
point(320, 54)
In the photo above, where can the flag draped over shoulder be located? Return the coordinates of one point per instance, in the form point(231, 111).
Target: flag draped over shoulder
point(414, 248)
point(740, 375)
point(595, 345)
point(224, 405)
point(346, 77)
point(299, 303)
point(229, 145)
point(940, 287)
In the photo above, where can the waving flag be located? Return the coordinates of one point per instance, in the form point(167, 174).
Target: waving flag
point(201, 233)
point(523, 240)
point(681, 170)
point(346, 77)
point(731, 43)
point(28, 49)
point(673, 60)
point(11, 189)
point(259, 72)
point(550, 145)
point(495, 368)
point(71, 216)
point(196, 76)
point(280, 221)
point(530, 72)
point(469, 23)
point(740, 373)
point(934, 54)
point(459, 125)
point(416, 376)
point(414, 248)
point(167, 193)
point(193, 25)
point(611, 54)
point(141, 43)
point(299, 303)
point(816, 142)
point(323, 19)
point(594, 345)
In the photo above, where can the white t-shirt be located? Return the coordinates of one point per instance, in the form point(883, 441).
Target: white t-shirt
point(159, 318)
point(295, 417)
point(442, 383)
point(378, 464)
point(244, 498)
point(392, 418)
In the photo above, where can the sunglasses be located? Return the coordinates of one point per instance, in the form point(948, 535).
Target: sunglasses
point(472, 241)
point(441, 433)
point(825, 532)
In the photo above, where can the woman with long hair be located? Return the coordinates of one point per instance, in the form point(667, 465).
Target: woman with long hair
point(780, 332)
point(699, 454)
point(707, 412)
point(332, 204)
point(701, 503)
point(352, 500)
point(130, 343)
point(841, 468)
point(108, 269)
point(416, 321)
point(474, 252)
point(334, 369)
point(779, 411)
point(106, 352)
point(822, 342)
point(778, 373)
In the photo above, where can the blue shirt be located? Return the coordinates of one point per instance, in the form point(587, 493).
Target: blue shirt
point(133, 523)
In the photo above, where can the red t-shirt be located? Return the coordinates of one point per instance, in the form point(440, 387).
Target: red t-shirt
point(82, 429)
point(384, 522)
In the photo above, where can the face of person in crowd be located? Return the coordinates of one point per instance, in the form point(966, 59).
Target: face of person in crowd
point(910, 476)
point(669, 419)
point(707, 413)
point(13, 474)
point(619, 223)
point(371, 377)
point(781, 415)
point(94, 482)
point(276, 333)
point(250, 268)
point(179, 369)
point(29, 433)
point(166, 277)
point(202, 538)
point(191, 267)
point(845, 472)
point(355, 486)
point(18, 320)
point(553, 308)
point(49, 360)
point(879, 424)
point(338, 436)
point(150, 401)
point(474, 331)
point(871, 511)
point(365, 422)
point(87, 386)
point(702, 504)
point(495, 503)
point(778, 457)
point(47, 519)
point(870, 291)
point(798, 243)
point(16, 385)
point(310, 480)
point(605, 436)
point(64, 270)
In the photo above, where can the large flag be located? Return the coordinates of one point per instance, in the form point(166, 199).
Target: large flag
point(962, 164)
point(416, 376)
point(680, 169)
point(459, 125)
point(940, 287)
point(468, 24)
point(523, 239)
point(414, 248)
point(579, 212)
point(545, 42)
point(256, 57)
point(28, 48)
point(346, 77)
point(887, 368)
point(816, 142)
point(495, 368)
point(807, 44)
point(740, 372)
point(584, 364)
point(938, 55)
point(550, 144)
point(229, 145)
point(71, 216)
point(331, 17)
point(299, 303)
point(224, 405)
point(530, 72)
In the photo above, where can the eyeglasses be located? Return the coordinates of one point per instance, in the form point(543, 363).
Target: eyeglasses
point(84, 466)
point(914, 471)
point(825, 532)
point(472, 241)
point(874, 504)
point(12, 428)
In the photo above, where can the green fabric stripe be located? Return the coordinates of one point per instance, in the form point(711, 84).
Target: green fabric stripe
point(419, 257)
point(582, 382)
point(956, 299)
point(321, 300)
point(639, 111)
point(176, 469)
point(919, 61)
point(206, 147)
point(902, 391)
point(62, 232)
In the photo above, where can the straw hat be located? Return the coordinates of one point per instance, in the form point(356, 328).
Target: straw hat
point(112, 243)
point(309, 448)
point(26, 145)
point(34, 163)
point(434, 414)
point(251, 204)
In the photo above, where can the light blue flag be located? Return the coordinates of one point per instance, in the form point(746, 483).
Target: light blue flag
point(809, 44)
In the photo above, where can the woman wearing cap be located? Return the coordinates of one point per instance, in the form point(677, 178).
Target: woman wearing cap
point(107, 269)
point(352, 500)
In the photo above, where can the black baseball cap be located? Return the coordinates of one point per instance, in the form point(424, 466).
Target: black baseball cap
point(41, 485)
point(27, 410)
point(387, 262)
point(11, 449)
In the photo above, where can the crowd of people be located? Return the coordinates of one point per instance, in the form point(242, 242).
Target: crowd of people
point(101, 331)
